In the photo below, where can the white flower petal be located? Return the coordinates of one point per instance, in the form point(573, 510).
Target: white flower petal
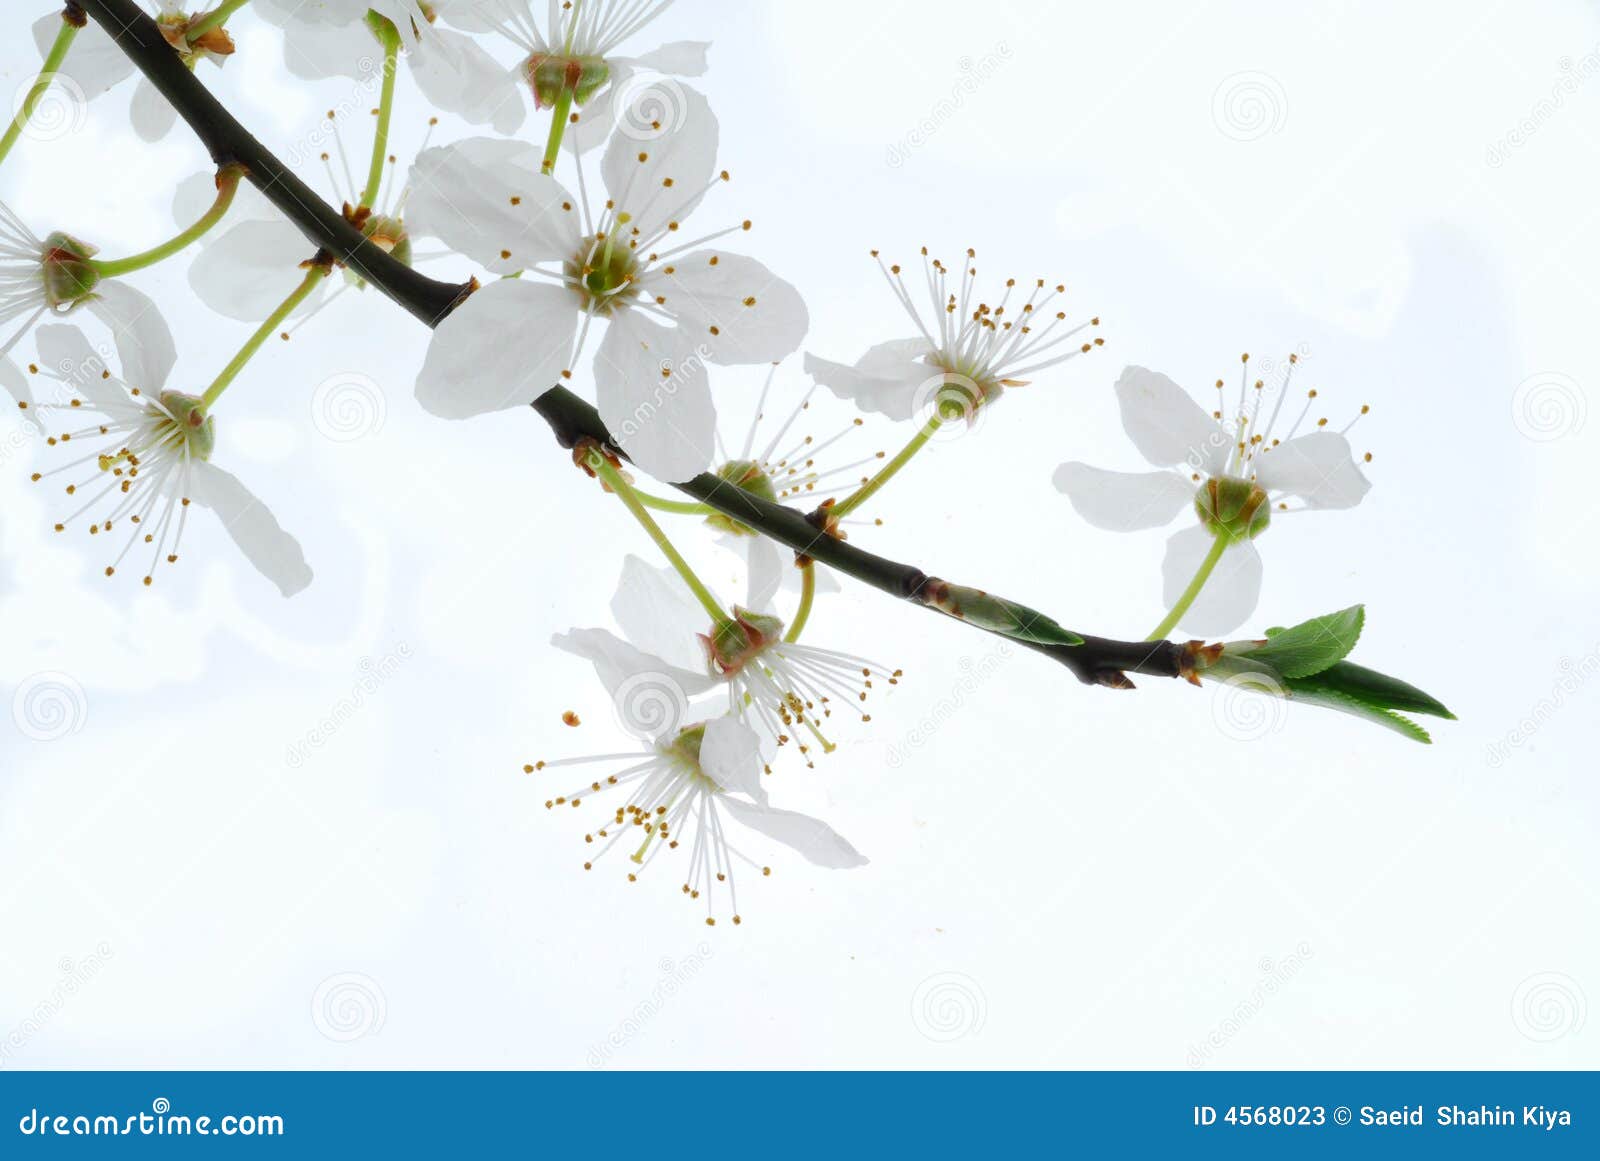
point(730, 755)
point(68, 355)
point(456, 75)
point(145, 350)
point(1167, 426)
point(486, 198)
point(1124, 501)
point(682, 150)
point(196, 193)
point(654, 397)
point(274, 553)
point(247, 272)
point(732, 305)
point(316, 51)
point(1319, 468)
point(1228, 598)
point(504, 347)
point(94, 62)
point(885, 380)
point(812, 837)
point(615, 662)
point(681, 58)
point(152, 114)
point(768, 562)
point(15, 382)
point(658, 614)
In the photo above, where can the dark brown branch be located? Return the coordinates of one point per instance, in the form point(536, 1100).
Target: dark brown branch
point(1097, 660)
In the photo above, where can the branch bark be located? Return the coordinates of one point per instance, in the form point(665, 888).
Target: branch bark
point(1097, 660)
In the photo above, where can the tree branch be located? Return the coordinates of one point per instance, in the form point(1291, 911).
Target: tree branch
point(1095, 660)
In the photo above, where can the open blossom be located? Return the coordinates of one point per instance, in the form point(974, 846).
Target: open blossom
point(680, 794)
point(332, 38)
point(786, 690)
point(967, 351)
point(55, 275)
point(669, 307)
point(137, 455)
point(574, 48)
point(1229, 468)
point(96, 64)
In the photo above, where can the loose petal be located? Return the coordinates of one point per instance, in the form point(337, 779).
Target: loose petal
point(1228, 598)
point(1319, 468)
point(1124, 501)
point(644, 688)
point(885, 380)
point(812, 837)
point(732, 305)
point(730, 754)
point(654, 397)
point(1167, 426)
point(273, 552)
point(504, 347)
point(486, 198)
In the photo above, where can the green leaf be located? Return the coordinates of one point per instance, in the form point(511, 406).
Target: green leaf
point(1312, 646)
point(1333, 699)
point(1372, 688)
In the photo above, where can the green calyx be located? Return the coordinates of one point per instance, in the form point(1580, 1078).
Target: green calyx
point(68, 271)
point(733, 644)
point(190, 419)
point(685, 747)
point(1232, 507)
point(1308, 663)
point(747, 476)
point(550, 75)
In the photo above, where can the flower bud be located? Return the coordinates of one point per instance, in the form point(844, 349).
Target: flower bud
point(389, 235)
point(550, 74)
point(747, 476)
point(68, 270)
point(1232, 507)
point(733, 643)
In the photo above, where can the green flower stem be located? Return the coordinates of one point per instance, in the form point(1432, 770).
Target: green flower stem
point(808, 593)
point(1201, 575)
point(389, 37)
point(614, 480)
point(227, 184)
point(314, 275)
point(217, 17)
point(558, 127)
point(864, 493)
point(678, 507)
point(47, 72)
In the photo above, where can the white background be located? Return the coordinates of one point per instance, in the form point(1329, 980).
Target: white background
point(1060, 876)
